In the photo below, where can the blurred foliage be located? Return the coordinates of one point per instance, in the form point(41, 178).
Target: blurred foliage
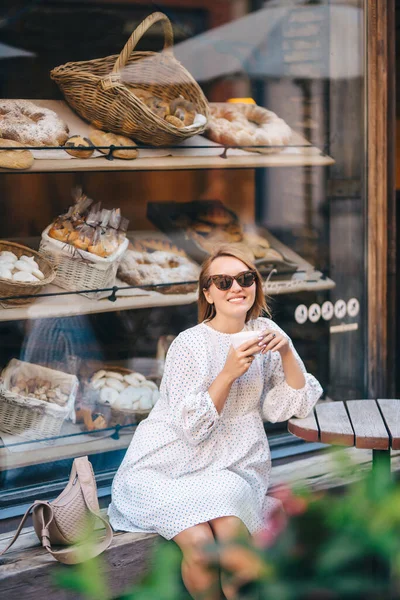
point(322, 546)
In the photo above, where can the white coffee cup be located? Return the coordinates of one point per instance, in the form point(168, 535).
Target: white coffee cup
point(237, 339)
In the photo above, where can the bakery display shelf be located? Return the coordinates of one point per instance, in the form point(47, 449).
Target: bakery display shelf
point(56, 302)
point(195, 153)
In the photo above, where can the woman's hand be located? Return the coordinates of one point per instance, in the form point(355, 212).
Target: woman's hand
point(239, 359)
point(275, 341)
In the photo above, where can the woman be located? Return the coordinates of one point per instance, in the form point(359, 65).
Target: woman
point(198, 467)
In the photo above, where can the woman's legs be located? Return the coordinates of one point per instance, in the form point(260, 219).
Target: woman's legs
point(199, 579)
point(236, 559)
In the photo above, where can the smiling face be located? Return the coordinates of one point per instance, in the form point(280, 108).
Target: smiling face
point(237, 301)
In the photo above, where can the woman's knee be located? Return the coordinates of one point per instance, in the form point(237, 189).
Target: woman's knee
point(228, 528)
point(193, 540)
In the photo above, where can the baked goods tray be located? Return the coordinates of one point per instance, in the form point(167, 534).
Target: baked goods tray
point(195, 153)
point(183, 224)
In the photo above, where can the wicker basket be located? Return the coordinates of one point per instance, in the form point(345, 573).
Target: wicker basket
point(96, 91)
point(16, 288)
point(121, 416)
point(78, 270)
point(31, 418)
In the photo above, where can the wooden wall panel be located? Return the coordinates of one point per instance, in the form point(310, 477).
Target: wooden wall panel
point(380, 32)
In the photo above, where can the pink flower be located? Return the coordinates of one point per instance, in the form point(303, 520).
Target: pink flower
point(274, 525)
point(293, 505)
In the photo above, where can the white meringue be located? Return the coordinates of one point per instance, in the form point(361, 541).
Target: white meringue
point(29, 260)
point(108, 396)
point(115, 384)
point(22, 265)
point(5, 272)
point(10, 256)
point(25, 277)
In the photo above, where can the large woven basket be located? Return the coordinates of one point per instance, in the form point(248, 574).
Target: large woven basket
point(10, 288)
point(77, 270)
point(96, 90)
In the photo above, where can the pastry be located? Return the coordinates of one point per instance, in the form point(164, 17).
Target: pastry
point(183, 110)
point(115, 384)
point(150, 384)
point(76, 146)
point(108, 395)
point(5, 273)
point(144, 269)
point(99, 383)
point(247, 125)
point(114, 375)
point(202, 227)
point(25, 122)
point(102, 138)
point(29, 260)
point(145, 402)
point(172, 120)
point(158, 106)
point(14, 159)
point(38, 273)
point(217, 215)
point(98, 249)
point(25, 277)
point(9, 256)
point(99, 375)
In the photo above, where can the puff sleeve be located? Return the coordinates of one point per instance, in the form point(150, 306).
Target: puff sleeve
point(192, 411)
point(279, 400)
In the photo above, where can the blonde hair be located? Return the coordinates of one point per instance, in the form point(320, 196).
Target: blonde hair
point(206, 311)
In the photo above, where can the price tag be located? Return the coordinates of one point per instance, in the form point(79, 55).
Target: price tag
point(314, 313)
point(353, 307)
point(327, 311)
point(340, 309)
point(301, 314)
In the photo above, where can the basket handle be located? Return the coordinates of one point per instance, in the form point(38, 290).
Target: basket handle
point(139, 33)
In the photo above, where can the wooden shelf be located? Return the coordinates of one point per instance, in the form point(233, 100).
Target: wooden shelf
point(196, 153)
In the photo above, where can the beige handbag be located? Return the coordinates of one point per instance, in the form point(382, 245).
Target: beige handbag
point(65, 520)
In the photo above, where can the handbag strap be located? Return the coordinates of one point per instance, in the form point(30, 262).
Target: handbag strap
point(22, 523)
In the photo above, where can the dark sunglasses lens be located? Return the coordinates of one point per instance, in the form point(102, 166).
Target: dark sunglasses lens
point(246, 279)
point(224, 282)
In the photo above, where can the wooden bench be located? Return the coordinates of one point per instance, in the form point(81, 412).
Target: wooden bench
point(27, 570)
point(368, 424)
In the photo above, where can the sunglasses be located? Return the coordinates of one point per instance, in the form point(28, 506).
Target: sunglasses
point(225, 282)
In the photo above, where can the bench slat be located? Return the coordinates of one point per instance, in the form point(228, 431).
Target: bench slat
point(306, 429)
point(334, 424)
point(368, 425)
point(391, 415)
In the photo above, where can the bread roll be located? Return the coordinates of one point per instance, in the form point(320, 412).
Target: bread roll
point(102, 138)
point(14, 159)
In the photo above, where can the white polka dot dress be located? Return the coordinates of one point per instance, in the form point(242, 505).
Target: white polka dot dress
point(188, 464)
